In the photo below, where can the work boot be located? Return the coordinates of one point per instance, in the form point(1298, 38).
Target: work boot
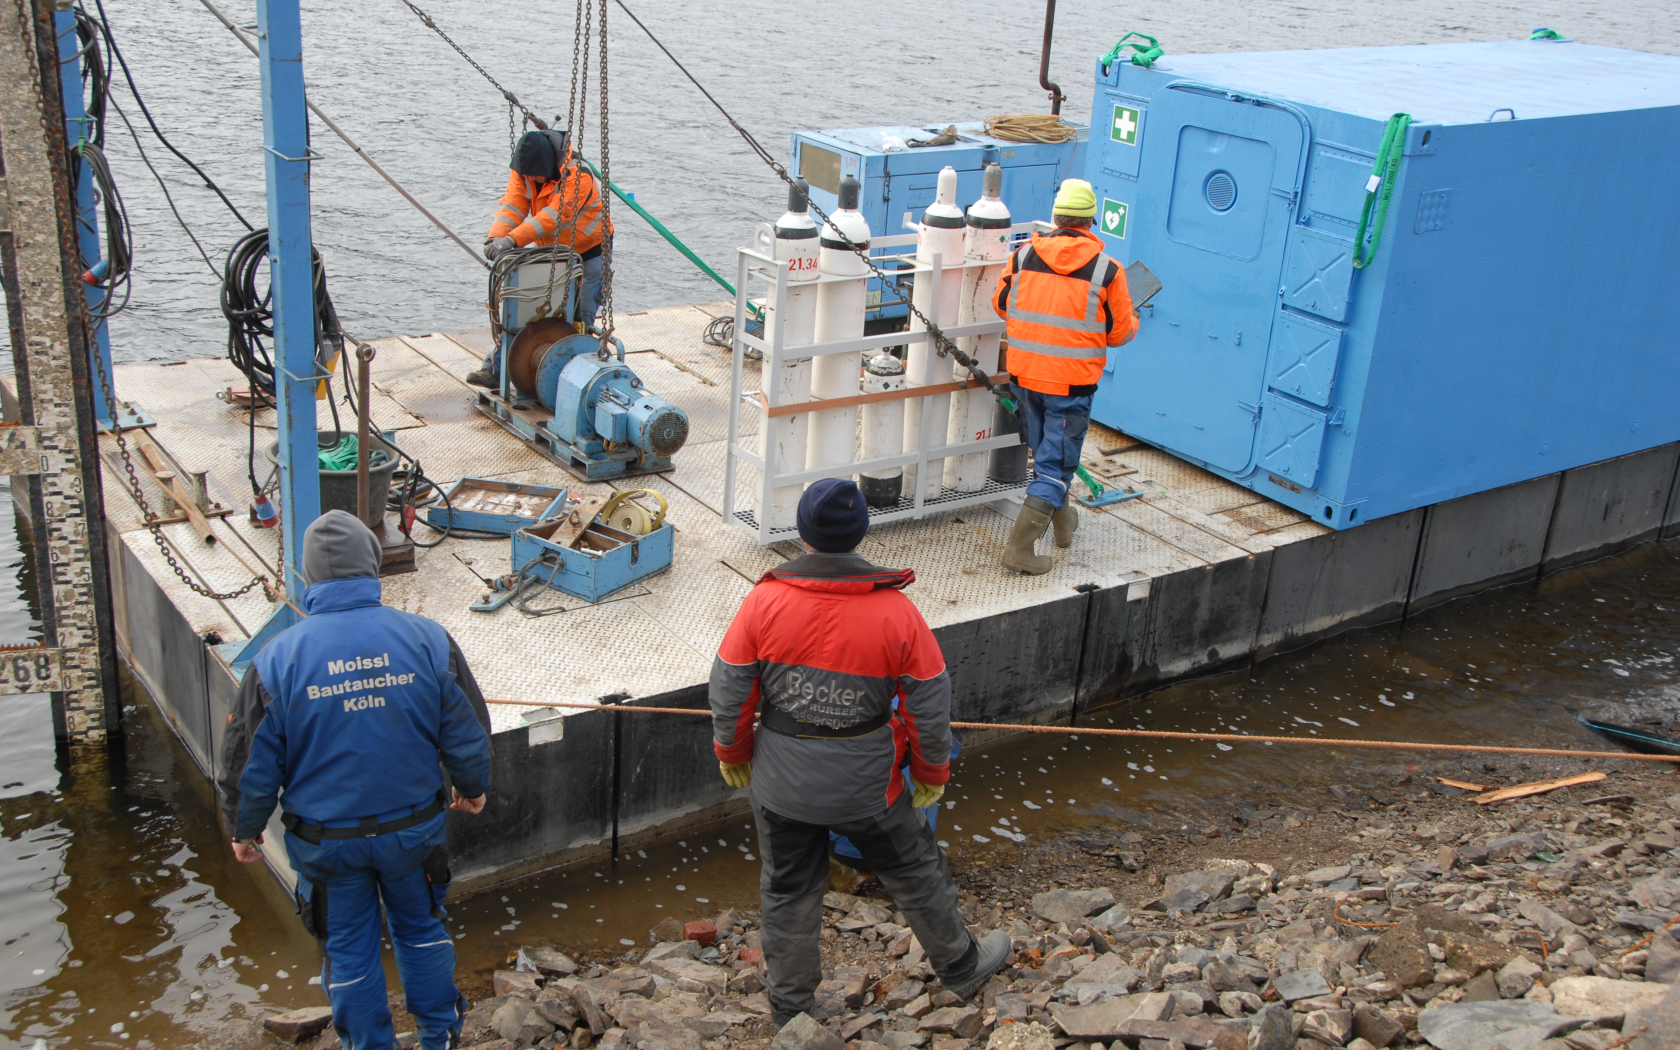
point(1030, 524)
point(1066, 522)
point(484, 378)
point(993, 954)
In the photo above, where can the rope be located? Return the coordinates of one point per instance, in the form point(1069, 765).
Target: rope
point(357, 149)
point(1383, 174)
point(1163, 734)
point(1029, 127)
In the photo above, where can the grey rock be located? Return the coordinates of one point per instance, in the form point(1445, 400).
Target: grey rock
point(1482, 988)
point(964, 1022)
point(1239, 1004)
point(1655, 892)
point(672, 950)
point(1515, 1024)
point(1272, 1029)
point(1112, 918)
point(1107, 970)
point(1516, 847)
point(1376, 1025)
point(1105, 1020)
point(1071, 905)
point(1194, 889)
point(1602, 999)
point(663, 1035)
point(519, 1022)
point(1516, 977)
point(1224, 976)
point(294, 1026)
point(1329, 1026)
point(546, 960)
point(705, 976)
point(804, 1033)
point(1301, 984)
point(1028, 1036)
point(901, 1040)
point(1325, 876)
point(1660, 1023)
point(1663, 963)
point(1550, 922)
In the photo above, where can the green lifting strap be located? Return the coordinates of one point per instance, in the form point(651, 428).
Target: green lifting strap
point(1383, 174)
point(1144, 54)
point(672, 238)
point(1549, 34)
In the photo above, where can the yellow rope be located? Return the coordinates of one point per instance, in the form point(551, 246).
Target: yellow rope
point(1029, 127)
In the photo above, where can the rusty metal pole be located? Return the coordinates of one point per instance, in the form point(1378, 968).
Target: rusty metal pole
point(1044, 80)
point(364, 384)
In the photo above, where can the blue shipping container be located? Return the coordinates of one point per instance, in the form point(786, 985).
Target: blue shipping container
point(894, 179)
point(1519, 317)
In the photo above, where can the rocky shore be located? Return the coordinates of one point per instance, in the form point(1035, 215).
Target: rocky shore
point(1395, 917)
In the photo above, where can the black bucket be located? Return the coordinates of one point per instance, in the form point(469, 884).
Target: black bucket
point(338, 487)
point(1008, 465)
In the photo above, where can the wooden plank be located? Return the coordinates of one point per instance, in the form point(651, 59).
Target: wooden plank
point(171, 481)
point(1537, 787)
point(802, 407)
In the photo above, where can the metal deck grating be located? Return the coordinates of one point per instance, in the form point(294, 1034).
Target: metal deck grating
point(660, 636)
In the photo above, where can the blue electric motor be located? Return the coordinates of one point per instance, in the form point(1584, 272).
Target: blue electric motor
point(604, 418)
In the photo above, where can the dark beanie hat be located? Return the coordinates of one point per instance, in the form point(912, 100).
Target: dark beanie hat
point(833, 516)
point(534, 156)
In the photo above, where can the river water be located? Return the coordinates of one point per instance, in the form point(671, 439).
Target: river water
point(124, 921)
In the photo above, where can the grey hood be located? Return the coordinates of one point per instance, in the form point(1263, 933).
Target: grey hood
point(337, 546)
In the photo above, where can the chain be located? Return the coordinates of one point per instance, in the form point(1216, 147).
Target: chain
point(513, 100)
point(512, 141)
point(606, 323)
point(577, 47)
point(153, 525)
point(942, 342)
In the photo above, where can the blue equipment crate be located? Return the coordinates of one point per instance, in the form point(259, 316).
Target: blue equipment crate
point(604, 562)
point(486, 505)
point(892, 182)
point(1516, 320)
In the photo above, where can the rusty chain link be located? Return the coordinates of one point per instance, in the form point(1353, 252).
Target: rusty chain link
point(605, 326)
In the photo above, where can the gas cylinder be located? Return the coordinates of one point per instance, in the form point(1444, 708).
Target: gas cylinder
point(883, 430)
point(832, 440)
point(985, 240)
point(940, 236)
point(782, 440)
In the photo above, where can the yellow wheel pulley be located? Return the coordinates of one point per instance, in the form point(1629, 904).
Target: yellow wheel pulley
point(626, 515)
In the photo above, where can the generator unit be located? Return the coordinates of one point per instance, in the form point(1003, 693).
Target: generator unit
point(895, 178)
point(1512, 315)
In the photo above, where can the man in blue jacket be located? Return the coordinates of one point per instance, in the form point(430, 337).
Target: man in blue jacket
point(348, 721)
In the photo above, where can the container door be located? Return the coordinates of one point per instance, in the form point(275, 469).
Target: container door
point(1211, 212)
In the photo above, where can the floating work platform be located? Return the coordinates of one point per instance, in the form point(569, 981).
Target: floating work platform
point(1197, 575)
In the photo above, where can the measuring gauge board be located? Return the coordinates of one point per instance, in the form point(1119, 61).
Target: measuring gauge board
point(1504, 328)
point(895, 179)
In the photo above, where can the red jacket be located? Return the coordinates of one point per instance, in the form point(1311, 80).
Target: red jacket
point(832, 641)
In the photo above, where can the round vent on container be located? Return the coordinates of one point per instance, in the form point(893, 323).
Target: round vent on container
point(1221, 191)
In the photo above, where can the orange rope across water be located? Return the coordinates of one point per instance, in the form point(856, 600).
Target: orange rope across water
point(1163, 734)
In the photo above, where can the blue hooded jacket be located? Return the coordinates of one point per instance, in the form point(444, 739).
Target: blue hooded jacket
point(347, 714)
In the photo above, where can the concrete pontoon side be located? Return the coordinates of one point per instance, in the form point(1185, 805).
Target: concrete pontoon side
point(1197, 576)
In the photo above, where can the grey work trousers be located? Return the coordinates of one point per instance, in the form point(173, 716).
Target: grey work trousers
point(900, 848)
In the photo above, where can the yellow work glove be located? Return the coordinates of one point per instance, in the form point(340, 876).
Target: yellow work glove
point(924, 795)
point(736, 776)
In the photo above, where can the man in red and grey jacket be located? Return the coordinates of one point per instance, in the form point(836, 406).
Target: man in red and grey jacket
point(849, 687)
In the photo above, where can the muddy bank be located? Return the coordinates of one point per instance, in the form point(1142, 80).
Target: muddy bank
point(1401, 913)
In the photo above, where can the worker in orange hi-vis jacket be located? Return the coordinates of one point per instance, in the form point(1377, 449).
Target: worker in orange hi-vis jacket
point(552, 198)
point(1067, 305)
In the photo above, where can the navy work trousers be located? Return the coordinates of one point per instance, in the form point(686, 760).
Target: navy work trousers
point(1055, 425)
point(356, 877)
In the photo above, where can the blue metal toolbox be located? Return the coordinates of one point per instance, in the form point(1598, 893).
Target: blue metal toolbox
point(894, 179)
point(1518, 312)
point(486, 505)
point(601, 561)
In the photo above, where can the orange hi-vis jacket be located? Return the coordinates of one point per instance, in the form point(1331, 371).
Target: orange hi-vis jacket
point(567, 209)
point(1066, 304)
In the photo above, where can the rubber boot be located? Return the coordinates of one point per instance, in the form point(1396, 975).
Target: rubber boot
point(993, 954)
point(1030, 524)
point(1065, 522)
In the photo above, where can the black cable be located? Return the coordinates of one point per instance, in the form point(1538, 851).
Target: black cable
point(164, 186)
point(103, 22)
point(117, 280)
point(96, 74)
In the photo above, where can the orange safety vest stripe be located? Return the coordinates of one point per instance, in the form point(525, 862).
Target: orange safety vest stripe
point(1061, 325)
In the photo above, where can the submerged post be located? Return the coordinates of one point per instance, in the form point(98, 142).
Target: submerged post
point(52, 440)
point(286, 159)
